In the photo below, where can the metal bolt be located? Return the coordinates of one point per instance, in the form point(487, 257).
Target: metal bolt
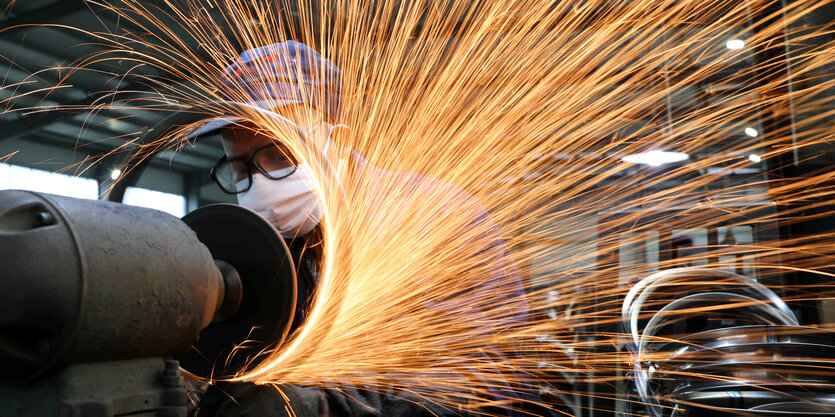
point(171, 376)
point(172, 368)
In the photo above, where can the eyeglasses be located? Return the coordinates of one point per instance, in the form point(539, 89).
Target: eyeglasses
point(234, 175)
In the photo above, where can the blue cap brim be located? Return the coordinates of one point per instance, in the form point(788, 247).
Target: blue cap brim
point(214, 126)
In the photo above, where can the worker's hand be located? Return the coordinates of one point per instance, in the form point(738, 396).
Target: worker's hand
point(244, 399)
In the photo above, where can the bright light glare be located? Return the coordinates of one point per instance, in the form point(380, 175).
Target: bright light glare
point(114, 175)
point(735, 44)
point(21, 178)
point(750, 131)
point(655, 158)
point(173, 204)
point(754, 158)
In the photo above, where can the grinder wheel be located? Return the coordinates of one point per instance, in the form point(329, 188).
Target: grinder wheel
point(247, 241)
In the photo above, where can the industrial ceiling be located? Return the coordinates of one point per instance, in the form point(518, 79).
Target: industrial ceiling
point(42, 39)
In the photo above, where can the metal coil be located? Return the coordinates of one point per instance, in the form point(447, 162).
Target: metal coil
point(753, 359)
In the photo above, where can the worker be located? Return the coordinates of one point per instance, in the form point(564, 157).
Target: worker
point(299, 84)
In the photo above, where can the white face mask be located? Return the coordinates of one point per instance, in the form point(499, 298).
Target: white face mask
point(289, 203)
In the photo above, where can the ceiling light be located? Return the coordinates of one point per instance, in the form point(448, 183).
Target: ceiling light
point(114, 175)
point(754, 158)
point(735, 44)
point(655, 158)
point(750, 131)
point(733, 171)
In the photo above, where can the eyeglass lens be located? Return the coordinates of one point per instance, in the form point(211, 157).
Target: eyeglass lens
point(232, 176)
point(274, 162)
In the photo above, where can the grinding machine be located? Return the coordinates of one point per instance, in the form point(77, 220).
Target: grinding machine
point(101, 303)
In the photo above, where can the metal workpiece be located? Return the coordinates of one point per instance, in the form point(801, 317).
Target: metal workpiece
point(92, 281)
point(751, 359)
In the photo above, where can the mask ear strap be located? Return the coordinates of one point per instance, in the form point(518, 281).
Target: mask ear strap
point(343, 132)
point(315, 127)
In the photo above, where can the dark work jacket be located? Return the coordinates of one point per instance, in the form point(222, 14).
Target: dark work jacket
point(306, 252)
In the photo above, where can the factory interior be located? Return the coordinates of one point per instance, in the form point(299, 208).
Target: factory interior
point(663, 201)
